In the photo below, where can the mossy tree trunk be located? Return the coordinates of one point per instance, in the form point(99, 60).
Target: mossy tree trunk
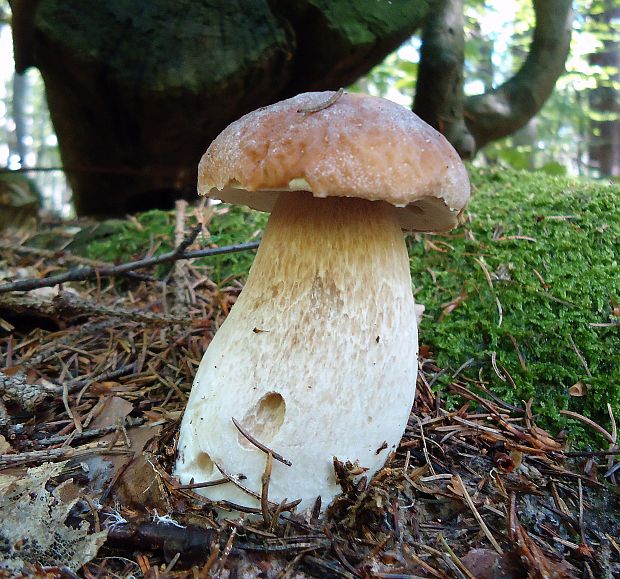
point(138, 90)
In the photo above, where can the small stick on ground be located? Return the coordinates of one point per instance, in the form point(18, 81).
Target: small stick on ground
point(424, 447)
point(579, 355)
point(500, 311)
point(455, 559)
point(614, 427)
point(67, 305)
point(227, 549)
point(94, 512)
point(65, 401)
point(581, 529)
point(172, 563)
point(478, 517)
point(204, 573)
point(518, 350)
point(495, 368)
point(430, 570)
point(614, 444)
point(84, 273)
point(542, 281)
point(487, 275)
point(233, 480)
point(590, 453)
point(276, 515)
point(339, 553)
point(613, 542)
point(590, 423)
point(260, 445)
point(119, 474)
point(202, 485)
point(67, 256)
point(84, 434)
point(264, 496)
point(15, 387)
point(56, 454)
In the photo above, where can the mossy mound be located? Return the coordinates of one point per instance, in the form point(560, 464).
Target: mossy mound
point(530, 284)
point(525, 295)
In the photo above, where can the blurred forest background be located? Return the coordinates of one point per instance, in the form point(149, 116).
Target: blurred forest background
point(577, 132)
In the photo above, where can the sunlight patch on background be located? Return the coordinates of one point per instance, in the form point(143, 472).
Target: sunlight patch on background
point(39, 140)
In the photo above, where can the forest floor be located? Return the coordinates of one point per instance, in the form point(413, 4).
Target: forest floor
point(94, 378)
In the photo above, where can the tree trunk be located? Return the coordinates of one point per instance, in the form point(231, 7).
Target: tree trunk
point(604, 99)
point(439, 89)
point(20, 89)
point(137, 90)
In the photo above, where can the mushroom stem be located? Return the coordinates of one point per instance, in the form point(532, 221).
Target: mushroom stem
point(318, 357)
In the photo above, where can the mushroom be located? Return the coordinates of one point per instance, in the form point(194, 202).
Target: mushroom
point(318, 357)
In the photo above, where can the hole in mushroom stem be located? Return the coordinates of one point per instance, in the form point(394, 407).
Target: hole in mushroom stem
point(263, 420)
point(205, 464)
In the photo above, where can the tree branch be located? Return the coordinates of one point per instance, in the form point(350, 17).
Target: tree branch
point(67, 305)
point(84, 273)
point(439, 98)
point(504, 110)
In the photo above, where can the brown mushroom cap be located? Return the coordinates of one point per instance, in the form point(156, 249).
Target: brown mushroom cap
point(360, 146)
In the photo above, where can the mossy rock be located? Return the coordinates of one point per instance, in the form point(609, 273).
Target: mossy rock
point(550, 248)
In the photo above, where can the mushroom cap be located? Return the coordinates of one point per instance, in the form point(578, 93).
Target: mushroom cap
point(359, 146)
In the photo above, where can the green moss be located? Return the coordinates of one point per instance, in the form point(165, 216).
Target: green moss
point(552, 289)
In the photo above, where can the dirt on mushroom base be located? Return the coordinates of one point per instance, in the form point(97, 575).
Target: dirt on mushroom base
point(135, 371)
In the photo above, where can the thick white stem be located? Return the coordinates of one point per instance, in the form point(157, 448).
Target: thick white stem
point(318, 357)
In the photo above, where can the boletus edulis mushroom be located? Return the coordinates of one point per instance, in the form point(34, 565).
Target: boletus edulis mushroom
point(318, 357)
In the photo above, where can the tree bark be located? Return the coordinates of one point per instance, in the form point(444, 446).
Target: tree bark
point(138, 90)
point(439, 90)
point(604, 145)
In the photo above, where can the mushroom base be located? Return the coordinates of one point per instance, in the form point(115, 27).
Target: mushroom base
point(317, 359)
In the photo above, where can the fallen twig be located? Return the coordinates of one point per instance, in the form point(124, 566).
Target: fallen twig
point(579, 355)
point(85, 273)
point(66, 304)
point(478, 517)
point(260, 445)
point(56, 454)
point(466, 572)
point(67, 256)
point(590, 423)
point(202, 485)
point(15, 387)
point(264, 495)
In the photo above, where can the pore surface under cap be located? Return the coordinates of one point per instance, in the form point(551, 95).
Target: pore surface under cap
point(360, 146)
